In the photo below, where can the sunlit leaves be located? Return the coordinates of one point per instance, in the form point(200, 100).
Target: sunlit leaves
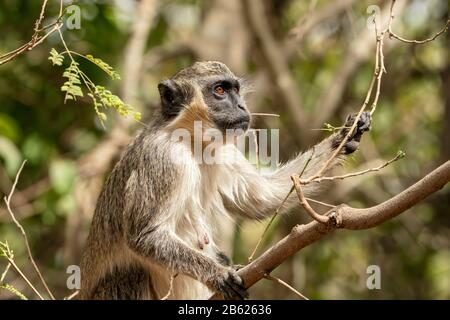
point(110, 100)
point(101, 97)
point(13, 290)
point(56, 58)
point(7, 253)
point(104, 66)
point(72, 85)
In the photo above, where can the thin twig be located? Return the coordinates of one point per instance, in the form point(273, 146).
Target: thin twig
point(301, 197)
point(277, 280)
point(320, 202)
point(262, 114)
point(392, 34)
point(38, 22)
point(73, 295)
point(443, 30)
point(36, 39)
point(2, 277)
point(172, 278)
point(358, 116)
point(400, 155)
point(30, 256)
point(10, 257)
point(255, 137)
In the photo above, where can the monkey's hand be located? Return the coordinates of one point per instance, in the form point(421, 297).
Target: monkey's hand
point(229, 284)
point(353, 142)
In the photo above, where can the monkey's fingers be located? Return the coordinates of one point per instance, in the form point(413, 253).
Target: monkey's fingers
point(237, 284)
point(363, 125)
point(364, 122)
point(231, 291)
point(235, 293)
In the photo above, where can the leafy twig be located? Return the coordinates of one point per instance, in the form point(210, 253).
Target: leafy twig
point(6, 252)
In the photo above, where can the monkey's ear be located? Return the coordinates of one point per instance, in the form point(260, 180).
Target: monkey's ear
point(171, 98)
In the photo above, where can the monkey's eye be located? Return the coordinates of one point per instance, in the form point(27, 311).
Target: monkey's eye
point(236, 90)
point(219, 90)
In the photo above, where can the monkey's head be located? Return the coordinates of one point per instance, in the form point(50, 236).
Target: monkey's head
point(205, 91)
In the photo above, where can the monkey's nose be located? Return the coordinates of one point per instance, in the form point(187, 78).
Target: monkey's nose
point(240, 106)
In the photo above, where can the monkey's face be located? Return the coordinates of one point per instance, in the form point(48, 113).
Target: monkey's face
point(226, 107)
point(221, 102)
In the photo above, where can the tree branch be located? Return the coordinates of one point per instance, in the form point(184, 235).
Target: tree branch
point(22, 230)
point(344, 217)
point(36, 39)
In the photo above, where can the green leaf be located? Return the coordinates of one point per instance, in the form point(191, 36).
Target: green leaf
point(104, 66)
point(71, 86)
point(55, 57)
point(137, 116)
point(13, 290)
point(401, 154)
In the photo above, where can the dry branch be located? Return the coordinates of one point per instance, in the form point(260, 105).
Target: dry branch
point(360, 173)
point(286, 285)
point(343, 217)
point(22, 231)
point(36, 38)
point(392, 34)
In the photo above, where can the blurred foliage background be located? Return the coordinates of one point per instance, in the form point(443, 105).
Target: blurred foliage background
point(322, 49)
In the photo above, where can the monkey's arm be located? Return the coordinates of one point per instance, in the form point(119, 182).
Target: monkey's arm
point(257, 195)
point(166, 249)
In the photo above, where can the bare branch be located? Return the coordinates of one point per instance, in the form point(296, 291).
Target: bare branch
point(73, 295)
point(286, 285)
point(343, 217)
point(22, 230)
point(301, 197)
point(38, 22)
point(320, 202)
point(36, 39)
point(392, 34)
point(400, 155)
